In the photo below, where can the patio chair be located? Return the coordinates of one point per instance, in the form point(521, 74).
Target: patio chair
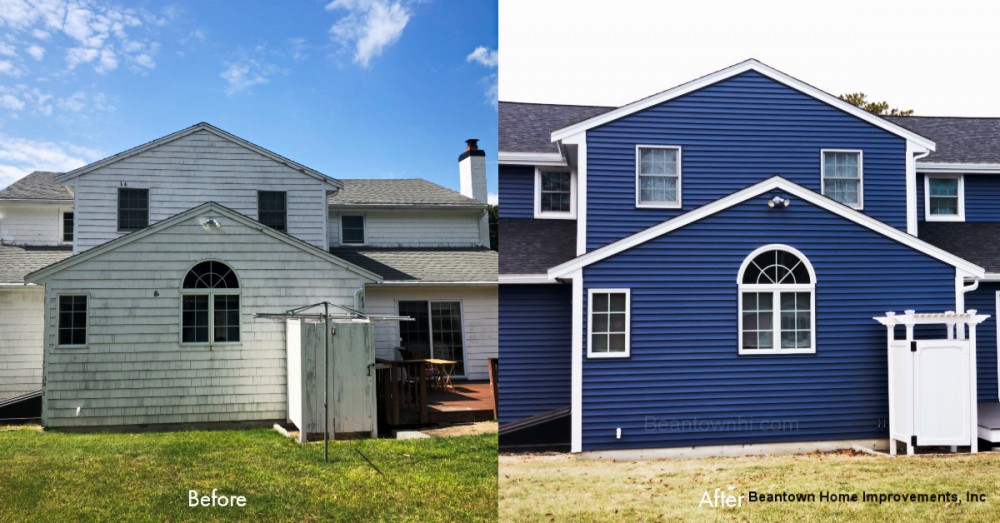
point(430, 372)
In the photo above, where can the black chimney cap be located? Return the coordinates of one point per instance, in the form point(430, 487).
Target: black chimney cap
point(471, 149)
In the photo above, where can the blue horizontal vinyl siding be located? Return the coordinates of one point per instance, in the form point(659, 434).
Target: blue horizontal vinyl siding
point(983, 300)
point(920, 199)
point(733, 134)
point(685, 368)
point(982, 198)
point(535, 341)
point(517, 191)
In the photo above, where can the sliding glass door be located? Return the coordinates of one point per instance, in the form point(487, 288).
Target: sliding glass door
point(436, 331)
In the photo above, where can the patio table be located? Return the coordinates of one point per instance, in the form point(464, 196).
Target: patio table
point(445, 368)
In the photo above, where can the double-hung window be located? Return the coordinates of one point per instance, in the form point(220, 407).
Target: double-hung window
point(842, 173)
point(72, 324)
point(944, 198)
point(133, 209)
point(777, 306)
point(67, 227)
point(272, 209)
point(555, 193)
point(658, 176)
point(210, 304)
point(352, 230)
point(609, 323)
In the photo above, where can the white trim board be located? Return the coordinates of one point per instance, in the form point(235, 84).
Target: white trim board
point(536, 159)
point(555, 215)
point(742, 67)
point(771, 184)
point(958, 168)
point(41, 274)
point(524, 279)
point(202, 126)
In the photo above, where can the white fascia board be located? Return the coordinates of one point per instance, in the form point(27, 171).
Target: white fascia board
point(202, 126)
point(525, 279)
point(539, 159)
point(408, 283)
point(958, 168)
point(728, 72)
point(774, 183)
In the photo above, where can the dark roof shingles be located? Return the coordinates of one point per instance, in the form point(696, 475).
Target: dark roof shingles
point(430, 264)
point(413, 191)
point(973, 241)
point(958, 139)
point(527, 128)
point(534, 246)
point(38, 185)
point(17, 261)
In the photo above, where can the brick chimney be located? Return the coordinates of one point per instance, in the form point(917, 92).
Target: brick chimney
point(472, 171)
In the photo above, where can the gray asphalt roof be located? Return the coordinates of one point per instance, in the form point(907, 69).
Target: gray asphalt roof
point(36, 186)
point(432, 265)
point(534, 246)
point(527, 128)
point(16, 261)
point(958, 139)
point(973, 241)
point(413, 191)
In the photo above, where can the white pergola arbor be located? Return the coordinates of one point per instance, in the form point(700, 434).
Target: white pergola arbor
point(932, 382)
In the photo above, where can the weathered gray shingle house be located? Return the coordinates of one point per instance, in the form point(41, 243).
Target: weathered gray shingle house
point(181, 244)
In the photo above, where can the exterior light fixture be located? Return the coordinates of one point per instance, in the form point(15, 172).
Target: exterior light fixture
point(778, 201)
point(211, 223)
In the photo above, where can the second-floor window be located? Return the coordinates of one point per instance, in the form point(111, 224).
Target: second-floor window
point(272, 209)
point(133, 209)
point(944, 198)
point(842, 177)
point(658, 176)
point(555, 193)
point(352, 229)
point(67, 227)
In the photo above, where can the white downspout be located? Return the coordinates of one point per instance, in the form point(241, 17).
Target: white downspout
point(911, 185)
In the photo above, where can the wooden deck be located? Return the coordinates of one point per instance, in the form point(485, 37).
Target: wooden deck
point(470, 401)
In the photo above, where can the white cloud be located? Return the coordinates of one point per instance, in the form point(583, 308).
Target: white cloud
point(493, 198)
point(244, 74)
point(36, 51)
point(369, 26)
point(20, 156)
point(21, 97)
point(7, 50)
point(11, 102)
point(92, 32)
point(484, 56)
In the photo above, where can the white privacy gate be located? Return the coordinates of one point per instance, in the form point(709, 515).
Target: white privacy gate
point(932, 382)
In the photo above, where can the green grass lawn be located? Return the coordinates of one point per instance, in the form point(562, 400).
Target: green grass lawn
point(80, 477)
point(565, 488)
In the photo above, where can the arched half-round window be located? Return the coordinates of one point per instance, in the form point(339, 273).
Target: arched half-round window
point(210, 304)
point(777, 302)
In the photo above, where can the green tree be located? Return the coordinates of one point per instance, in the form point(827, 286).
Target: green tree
point(880, 108)
point(494, 230)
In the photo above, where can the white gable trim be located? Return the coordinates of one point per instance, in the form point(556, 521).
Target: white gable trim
point(748, 65)
point(771, 184)
point(203, 126)
point(40, 275)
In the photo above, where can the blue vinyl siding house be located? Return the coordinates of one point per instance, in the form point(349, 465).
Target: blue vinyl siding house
point(702, 267)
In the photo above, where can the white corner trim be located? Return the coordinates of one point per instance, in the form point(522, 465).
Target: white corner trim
point(913, 153)
point(628, 323)
point(861, 174)
point(576, 365)
point(581, 192)
point(680, 173)
point(958, 168)
point(554, 215)
point(536, 159)
point(731, 71)
point(524, 279)
point(960, 217)
point(773, 183)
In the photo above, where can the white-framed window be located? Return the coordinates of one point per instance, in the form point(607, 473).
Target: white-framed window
point(352, 230)
point(842, 174)
point(777, 302)
point(66, 227)
point(72, 324)
point(944, 197)
point(658, 176)
point(555, 193)
point(437, 331)
point(210, 305)
point(609, 326)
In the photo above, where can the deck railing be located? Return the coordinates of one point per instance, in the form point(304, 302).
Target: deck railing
point(402, 392)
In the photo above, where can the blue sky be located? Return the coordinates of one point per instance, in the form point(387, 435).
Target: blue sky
point(352, 88)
